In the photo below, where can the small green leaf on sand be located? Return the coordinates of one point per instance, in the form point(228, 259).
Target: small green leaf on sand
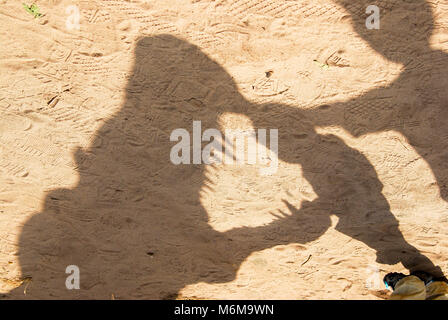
point(322, 65)
point(33, 9)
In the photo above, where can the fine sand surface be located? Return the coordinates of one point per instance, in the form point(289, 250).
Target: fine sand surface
point(85, 171)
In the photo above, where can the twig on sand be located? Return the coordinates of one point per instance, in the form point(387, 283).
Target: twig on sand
point(27, 282)
point(308, 259)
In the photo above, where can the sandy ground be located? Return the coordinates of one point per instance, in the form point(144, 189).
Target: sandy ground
point(85, 123)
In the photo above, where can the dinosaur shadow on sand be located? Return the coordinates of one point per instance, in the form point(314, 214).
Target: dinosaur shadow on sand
point(134, 224)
